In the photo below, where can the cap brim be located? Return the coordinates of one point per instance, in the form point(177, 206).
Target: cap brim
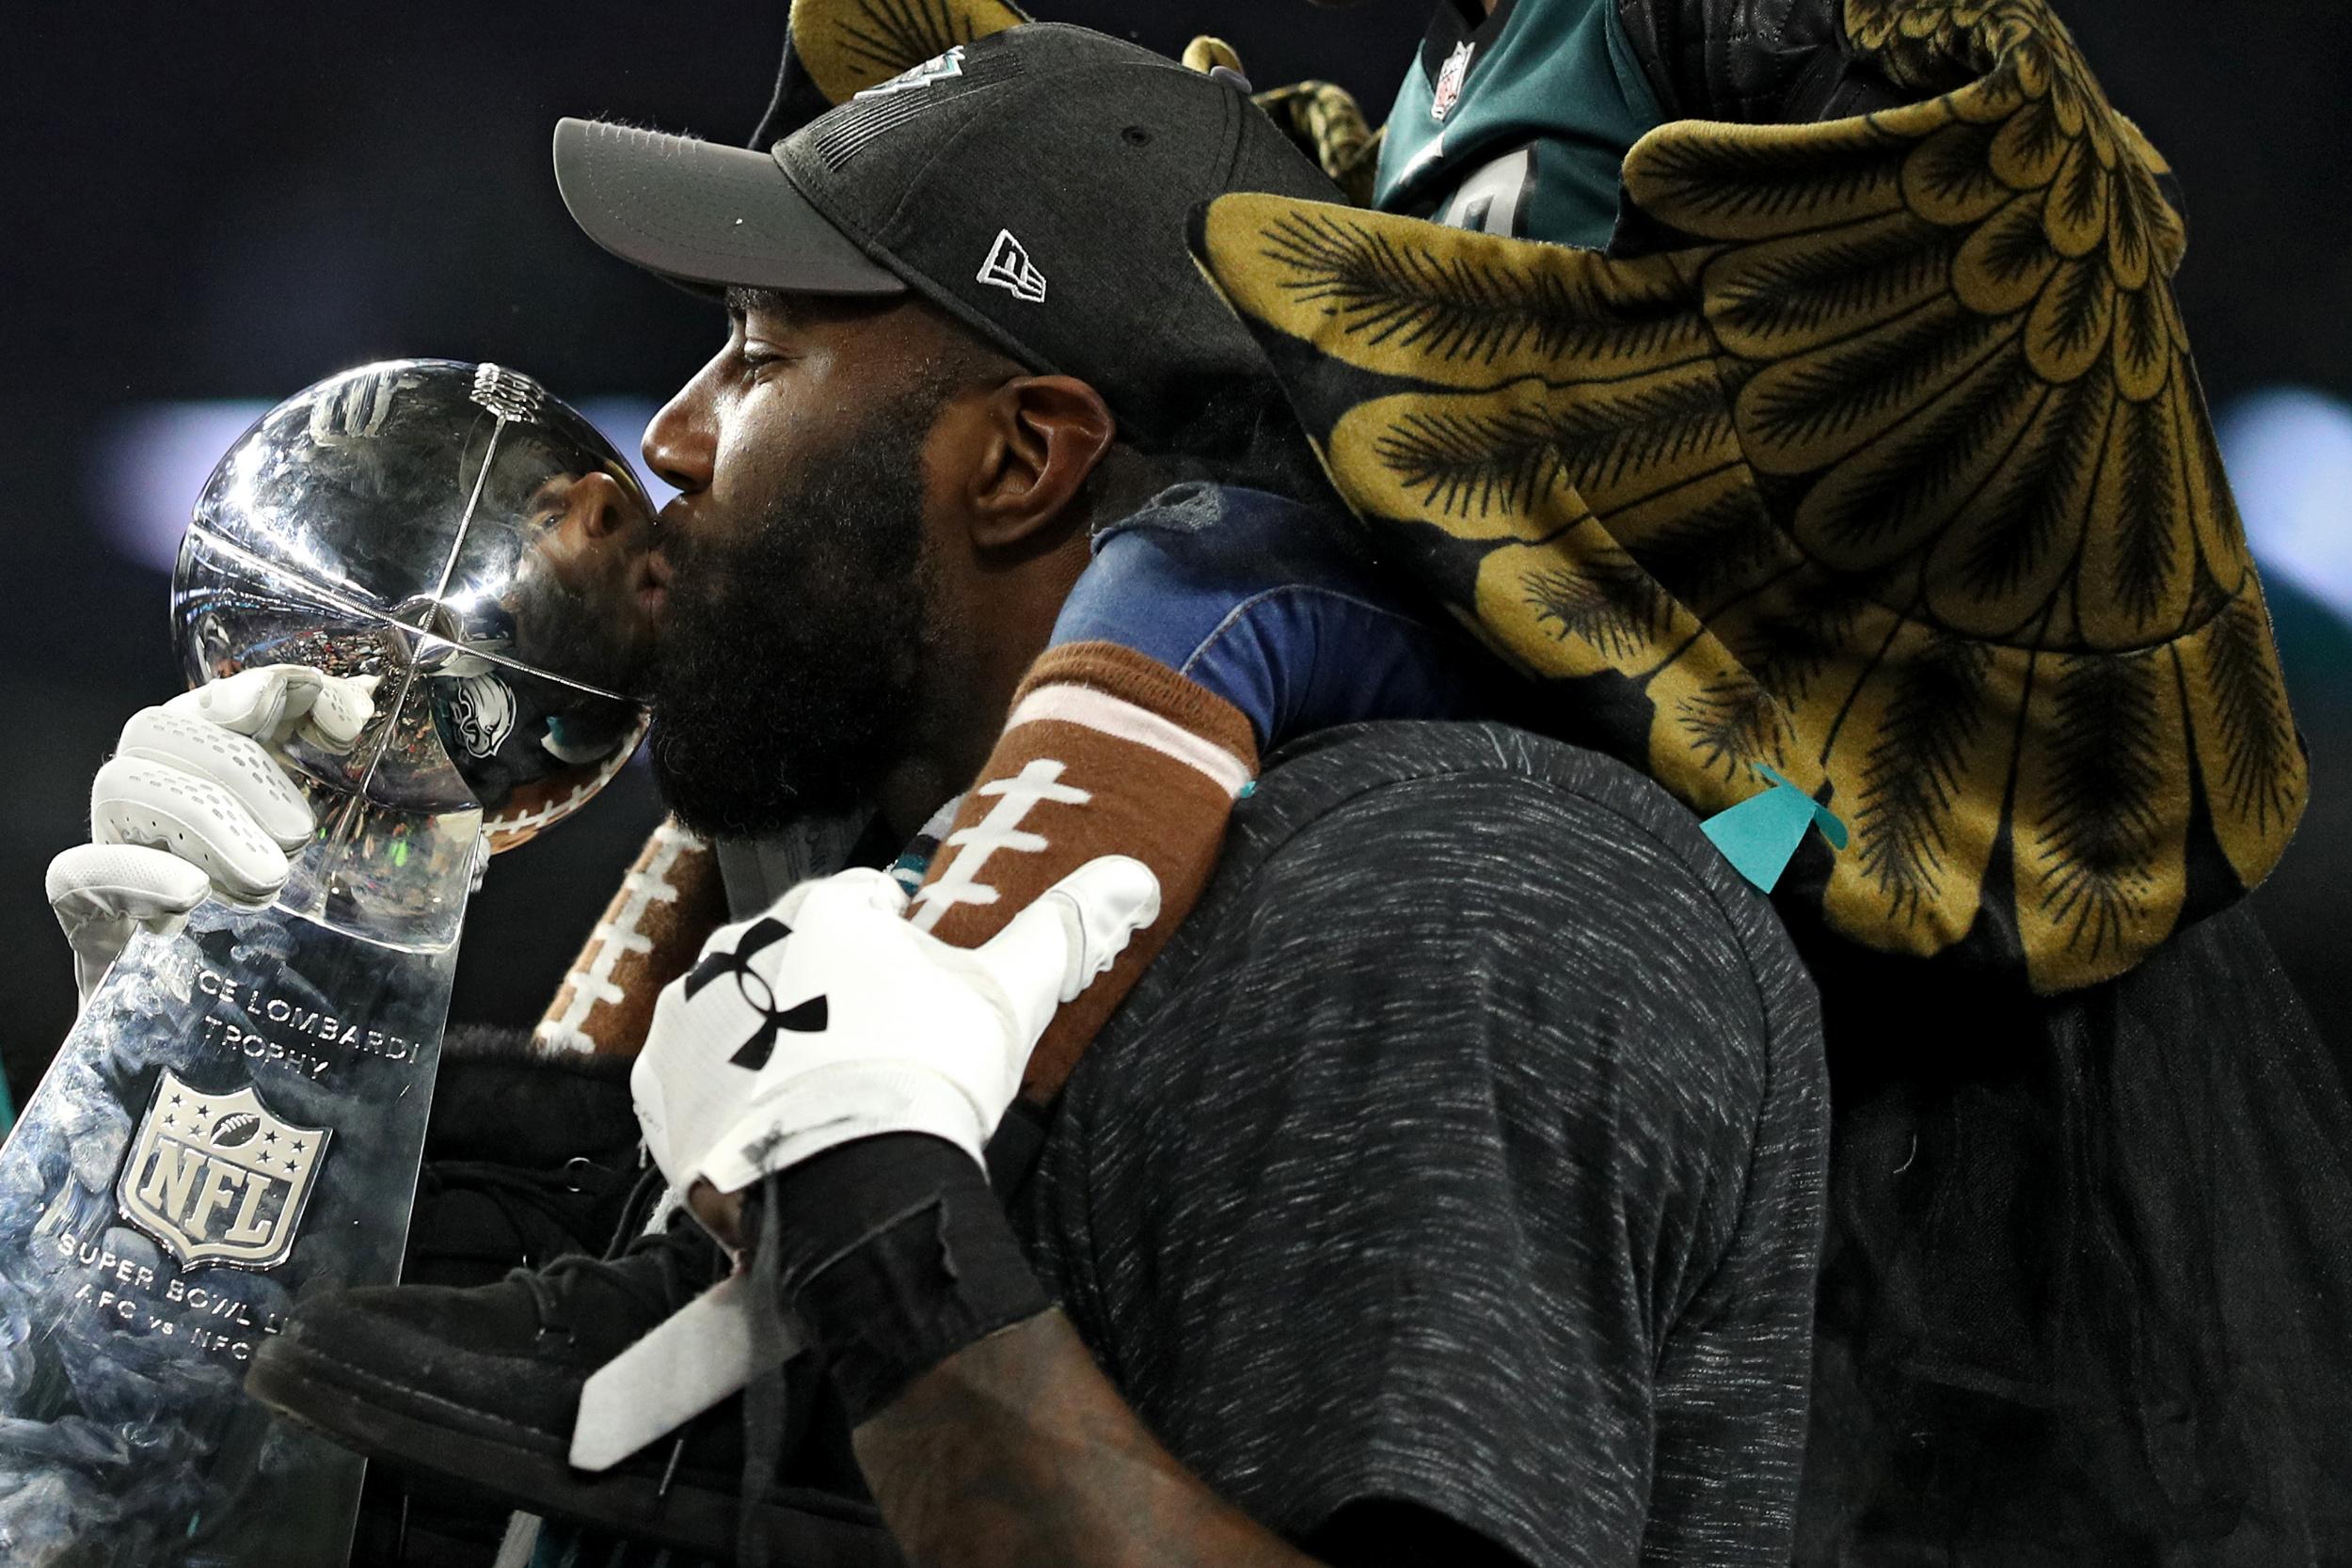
point(706, 214)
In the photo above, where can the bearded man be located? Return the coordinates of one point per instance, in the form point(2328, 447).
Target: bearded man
point(1473, 1120)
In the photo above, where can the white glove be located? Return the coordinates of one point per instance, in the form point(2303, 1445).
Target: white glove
point(831, 1017)
point(192, 804)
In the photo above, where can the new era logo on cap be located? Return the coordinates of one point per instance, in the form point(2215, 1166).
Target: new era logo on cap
point(1009, 268)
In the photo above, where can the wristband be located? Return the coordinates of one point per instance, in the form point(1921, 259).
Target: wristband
point(893, 1254)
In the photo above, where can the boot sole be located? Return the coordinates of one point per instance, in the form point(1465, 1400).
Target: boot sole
point(346, 1404)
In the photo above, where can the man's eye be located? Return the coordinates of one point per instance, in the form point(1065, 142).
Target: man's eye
point(756, 360)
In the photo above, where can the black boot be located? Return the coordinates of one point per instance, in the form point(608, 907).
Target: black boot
point(464, 1382)
point(478, 1390)
point(527, 1157)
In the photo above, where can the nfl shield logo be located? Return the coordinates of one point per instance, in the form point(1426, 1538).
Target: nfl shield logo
point(1448, 90)
point(217, 1178)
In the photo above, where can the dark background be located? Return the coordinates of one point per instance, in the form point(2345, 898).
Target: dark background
point(231, 202)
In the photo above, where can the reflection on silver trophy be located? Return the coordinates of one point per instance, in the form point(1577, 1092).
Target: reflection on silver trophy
point(238, 1118)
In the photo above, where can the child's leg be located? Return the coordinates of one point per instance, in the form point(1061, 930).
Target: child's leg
point(1205, 633)
point(651, 933)
point(1106, 751)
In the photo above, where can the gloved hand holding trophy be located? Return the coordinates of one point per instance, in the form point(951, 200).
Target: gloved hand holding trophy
point(414, 605)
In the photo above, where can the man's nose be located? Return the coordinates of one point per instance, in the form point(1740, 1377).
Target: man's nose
point(597, 506)
point(678, 443)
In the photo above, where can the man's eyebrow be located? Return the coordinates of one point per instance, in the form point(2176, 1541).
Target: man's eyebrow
point(742, 301)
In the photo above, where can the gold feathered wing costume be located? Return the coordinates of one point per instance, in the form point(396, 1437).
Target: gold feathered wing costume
point(1893, 474)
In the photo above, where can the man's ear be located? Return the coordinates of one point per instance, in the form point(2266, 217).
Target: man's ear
point(1045, 434)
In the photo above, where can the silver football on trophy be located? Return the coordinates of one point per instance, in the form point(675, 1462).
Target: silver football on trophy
point(466, 538)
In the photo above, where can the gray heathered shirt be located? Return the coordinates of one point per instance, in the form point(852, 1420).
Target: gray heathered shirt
point(1452, 1186)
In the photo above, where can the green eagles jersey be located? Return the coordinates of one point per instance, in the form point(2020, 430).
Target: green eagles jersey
point(1518, 123)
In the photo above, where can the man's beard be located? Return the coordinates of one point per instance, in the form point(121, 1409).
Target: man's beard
point(570, 630)
point(789, 663)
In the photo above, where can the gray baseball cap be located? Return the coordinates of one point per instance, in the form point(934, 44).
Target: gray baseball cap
point(1034, 183)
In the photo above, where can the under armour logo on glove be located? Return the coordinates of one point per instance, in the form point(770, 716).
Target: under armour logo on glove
point(753, 988)
point(887, 1030)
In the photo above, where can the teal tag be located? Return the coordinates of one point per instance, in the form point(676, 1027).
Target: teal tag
point(1760, 834)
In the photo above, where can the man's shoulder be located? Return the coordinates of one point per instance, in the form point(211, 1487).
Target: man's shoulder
point(1476, 791)
point(1454, 993)
point(1388, 856)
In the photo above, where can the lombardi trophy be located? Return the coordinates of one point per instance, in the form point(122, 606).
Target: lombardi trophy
point(238, 1117)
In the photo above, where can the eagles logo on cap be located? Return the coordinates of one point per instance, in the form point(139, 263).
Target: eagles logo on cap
point(937, 68)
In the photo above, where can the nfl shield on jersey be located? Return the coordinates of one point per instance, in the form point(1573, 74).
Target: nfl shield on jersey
point(1448, 90)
